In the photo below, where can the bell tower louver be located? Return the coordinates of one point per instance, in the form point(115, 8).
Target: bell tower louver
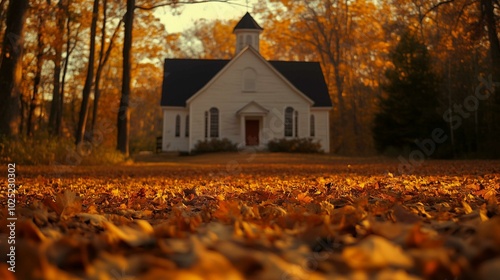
point(247, 32)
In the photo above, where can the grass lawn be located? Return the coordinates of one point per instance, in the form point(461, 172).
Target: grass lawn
point(255, 216)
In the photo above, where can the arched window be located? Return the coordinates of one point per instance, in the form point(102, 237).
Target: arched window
point(296, 123)
point(186, 133)
point(206, 124)
point(249, 80)
point(289, 122)
point(214, 122)
point(177, 126)
point(313, 132)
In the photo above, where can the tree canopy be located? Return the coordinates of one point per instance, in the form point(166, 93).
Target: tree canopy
point(351, 39)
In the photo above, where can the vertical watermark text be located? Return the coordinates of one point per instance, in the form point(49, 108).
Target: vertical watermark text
point(11, 216)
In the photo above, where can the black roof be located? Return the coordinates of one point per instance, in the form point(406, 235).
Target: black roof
point(306, 77)
point(184, 77)
point(247, 22)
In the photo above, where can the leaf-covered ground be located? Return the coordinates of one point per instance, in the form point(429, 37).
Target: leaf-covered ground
point(256, 216)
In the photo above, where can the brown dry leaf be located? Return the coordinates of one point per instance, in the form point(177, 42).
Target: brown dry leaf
point(277, 268)
point(390, 230)
point(420, 209)
point(376, 252)
point(47, 201)
point(404, 216)
point(432, 261)
point(347, 216)
point(227, 210)
point(108, 266)
point(304, 198)
point(467, 207)
point(207, 260)
point(93, 219)
point(142, 234)
point(244, 259)
point(246, 229)
point(28, 230)
point(422, 237)
point(487, 193)
point(68, 204)
point(92, 209)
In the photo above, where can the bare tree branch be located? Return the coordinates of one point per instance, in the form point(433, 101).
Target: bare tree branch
point(111, 41)
point(170, 3)
point(434, 8)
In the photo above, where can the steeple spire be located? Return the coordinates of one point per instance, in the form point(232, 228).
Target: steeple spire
point(247, 32)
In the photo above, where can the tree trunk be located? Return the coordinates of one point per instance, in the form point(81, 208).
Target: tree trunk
point(24, 105)
point(10, 68)
point(2, 14)
point(123, 123)
point(66, 62)
point(100, 67)
point(36, 82)
point(97, 92)
point(84, 108)
point(55, 116)
point(489, 16)
point(103, 57)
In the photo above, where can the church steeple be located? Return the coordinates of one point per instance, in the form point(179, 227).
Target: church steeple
point(247, 32)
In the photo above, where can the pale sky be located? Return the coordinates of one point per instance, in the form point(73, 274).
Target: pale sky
point(235, 9)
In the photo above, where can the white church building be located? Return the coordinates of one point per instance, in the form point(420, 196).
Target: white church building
point(247, 99)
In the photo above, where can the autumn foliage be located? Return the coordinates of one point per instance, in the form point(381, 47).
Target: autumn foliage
point(351, 39)
point(257, 216)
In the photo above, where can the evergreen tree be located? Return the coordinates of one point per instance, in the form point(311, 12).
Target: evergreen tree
point(408, 107)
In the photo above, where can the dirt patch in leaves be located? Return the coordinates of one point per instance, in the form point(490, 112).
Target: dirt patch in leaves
point(320, 218)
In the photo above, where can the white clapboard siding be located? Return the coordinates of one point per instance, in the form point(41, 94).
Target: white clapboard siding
point(226, 93)
point(322, 127)
point(171, 143)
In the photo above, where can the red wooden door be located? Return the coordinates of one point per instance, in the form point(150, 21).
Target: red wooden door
point(252, 132)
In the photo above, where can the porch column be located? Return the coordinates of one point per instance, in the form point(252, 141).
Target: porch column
point(242, 130)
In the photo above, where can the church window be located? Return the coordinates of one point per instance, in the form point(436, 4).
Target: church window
point(289, 122)
point(214, 122)
point(249, 80)
point(313, 132)
point(177, 126)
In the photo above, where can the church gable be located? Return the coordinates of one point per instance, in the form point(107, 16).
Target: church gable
point(248, 73)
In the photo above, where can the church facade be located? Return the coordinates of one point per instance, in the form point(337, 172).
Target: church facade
point(247, 99)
